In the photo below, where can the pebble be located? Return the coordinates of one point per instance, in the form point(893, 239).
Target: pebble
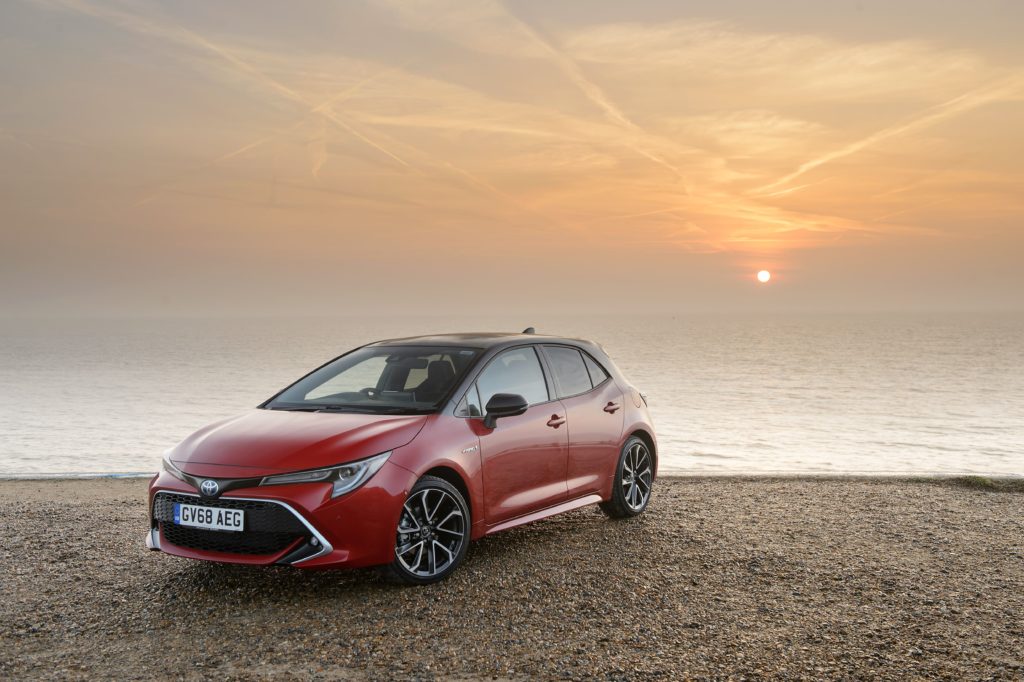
point(722, 578)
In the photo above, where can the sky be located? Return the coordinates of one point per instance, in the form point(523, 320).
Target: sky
point(392, 156)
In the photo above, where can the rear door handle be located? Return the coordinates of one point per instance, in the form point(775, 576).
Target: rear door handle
point(556, 421)
point(611, 408)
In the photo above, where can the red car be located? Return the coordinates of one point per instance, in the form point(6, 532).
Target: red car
point(400, 452)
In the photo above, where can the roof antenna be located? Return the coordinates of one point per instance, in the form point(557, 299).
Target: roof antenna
point(529, 330)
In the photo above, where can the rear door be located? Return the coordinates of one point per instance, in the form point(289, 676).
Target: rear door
point(524, 457)
point(594, 414)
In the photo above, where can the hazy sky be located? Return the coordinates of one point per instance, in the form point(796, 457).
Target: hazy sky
point(248, 157)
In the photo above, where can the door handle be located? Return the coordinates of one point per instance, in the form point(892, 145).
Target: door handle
point(556, 421)
point(611, 408)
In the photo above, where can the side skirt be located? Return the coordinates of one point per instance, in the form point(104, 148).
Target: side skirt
point(544, 513)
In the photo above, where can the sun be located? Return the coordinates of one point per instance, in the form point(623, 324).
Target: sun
point(764, 276)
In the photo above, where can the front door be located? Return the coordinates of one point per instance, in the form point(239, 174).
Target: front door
point(524, 457)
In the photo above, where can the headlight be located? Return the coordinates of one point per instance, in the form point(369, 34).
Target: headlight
point(346, 477)
point(169, 467)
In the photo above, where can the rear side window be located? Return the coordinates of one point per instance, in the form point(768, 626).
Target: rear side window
point(514, 371)
point(571, 375)
point(597, 373)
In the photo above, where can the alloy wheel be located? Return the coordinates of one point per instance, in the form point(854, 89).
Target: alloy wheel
point(637, 476)
point(431, 532)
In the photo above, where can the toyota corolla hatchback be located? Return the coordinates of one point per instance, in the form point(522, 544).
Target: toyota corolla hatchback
point(397, 454)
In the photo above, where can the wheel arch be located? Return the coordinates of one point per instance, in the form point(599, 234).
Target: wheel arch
point(649, 441)
point(453, 476)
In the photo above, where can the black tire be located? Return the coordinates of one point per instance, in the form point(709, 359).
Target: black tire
point(435, 543)
point(628, 495)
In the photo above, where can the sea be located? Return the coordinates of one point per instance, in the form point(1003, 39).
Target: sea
point(730, 394)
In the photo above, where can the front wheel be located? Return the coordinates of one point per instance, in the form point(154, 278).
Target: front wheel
point(634, 476)
point(432, 535)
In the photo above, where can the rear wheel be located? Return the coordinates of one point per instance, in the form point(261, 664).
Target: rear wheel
point(432, 535)
point(634, 477)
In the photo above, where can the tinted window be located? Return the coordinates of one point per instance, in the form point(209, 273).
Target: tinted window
point(597, 373)
point(514, 371)
point(571, 374)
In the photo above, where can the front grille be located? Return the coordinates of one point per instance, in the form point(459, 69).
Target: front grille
point(269, 527)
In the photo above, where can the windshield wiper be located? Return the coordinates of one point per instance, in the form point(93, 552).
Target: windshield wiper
point(395, 409)
point(376, 409)
point(361, 409)
point(343, 408)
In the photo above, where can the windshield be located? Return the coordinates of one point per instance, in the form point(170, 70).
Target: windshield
point(380, 379)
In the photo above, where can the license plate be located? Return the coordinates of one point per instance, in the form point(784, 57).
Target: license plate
point(210, 518)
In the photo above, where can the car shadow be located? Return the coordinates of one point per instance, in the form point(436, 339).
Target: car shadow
point(525, 552)
point(198, 578)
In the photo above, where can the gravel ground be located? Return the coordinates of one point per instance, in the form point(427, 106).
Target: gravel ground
point(721, 578)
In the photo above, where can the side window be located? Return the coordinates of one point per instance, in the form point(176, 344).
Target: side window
point(571, 376)
point(514, 371)
point(469, 406)
point(597, 373)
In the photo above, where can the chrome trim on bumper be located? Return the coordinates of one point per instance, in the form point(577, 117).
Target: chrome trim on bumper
point(153, 537)
point(325, 547)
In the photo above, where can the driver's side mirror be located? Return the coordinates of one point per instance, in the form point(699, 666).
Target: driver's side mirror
point(503, 405)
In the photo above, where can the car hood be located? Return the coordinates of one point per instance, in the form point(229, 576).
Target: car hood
point(263, 442)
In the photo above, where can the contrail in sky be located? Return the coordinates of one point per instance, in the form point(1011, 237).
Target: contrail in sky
point(183, 36)
point(592, 91)
point(954, 107)
point(286, 91)
point(341, 96)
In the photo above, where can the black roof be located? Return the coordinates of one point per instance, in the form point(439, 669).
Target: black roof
point(479, 340)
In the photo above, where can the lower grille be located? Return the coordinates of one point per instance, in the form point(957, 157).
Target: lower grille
point(245, 542)
point(269, 527)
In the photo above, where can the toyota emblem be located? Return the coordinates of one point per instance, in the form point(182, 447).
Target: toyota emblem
point(209, 488)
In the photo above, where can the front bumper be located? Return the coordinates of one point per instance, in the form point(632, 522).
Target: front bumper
point(298, 525)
